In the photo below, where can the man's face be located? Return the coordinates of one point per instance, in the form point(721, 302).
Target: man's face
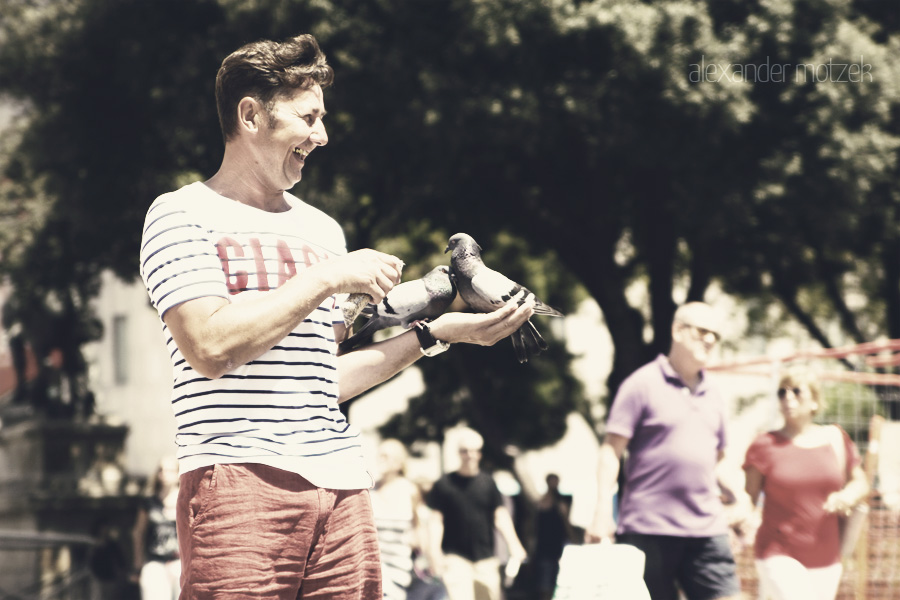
point(469, 457)
point(697, 335)
point(288, 133)
point(389, 462)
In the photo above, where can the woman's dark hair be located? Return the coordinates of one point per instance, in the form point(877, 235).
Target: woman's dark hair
point(266, 69)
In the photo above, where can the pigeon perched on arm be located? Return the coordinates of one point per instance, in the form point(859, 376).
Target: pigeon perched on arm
point(486, 290)
point(411, 301)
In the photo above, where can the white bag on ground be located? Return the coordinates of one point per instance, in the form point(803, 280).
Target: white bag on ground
point(601, 572)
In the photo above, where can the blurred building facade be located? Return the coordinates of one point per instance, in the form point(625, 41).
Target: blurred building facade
point(131, 375)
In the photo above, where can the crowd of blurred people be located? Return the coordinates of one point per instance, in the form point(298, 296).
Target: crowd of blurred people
point(439, 543)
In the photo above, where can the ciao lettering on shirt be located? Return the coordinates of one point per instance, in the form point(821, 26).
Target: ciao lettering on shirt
point(238, 280)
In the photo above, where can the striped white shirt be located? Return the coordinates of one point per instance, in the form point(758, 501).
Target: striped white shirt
point(280, 409)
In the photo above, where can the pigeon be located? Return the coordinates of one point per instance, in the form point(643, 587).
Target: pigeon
point(411, 301)
point(486, 290)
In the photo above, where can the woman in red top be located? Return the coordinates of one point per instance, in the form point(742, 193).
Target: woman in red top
point(809, 474)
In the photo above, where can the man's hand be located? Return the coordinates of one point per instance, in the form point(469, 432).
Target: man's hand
point(603, 526)
point(517, 552)
point(601, 529)
point(437, 565)
point(364, 271)
point(483, 329)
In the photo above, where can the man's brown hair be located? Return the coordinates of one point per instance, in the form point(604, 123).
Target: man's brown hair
point(266, 69)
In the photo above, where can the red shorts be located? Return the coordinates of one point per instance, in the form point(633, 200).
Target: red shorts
point(252, 531)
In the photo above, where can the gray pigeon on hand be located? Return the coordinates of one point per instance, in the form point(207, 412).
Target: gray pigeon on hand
point(411, 301)
point(486, 290)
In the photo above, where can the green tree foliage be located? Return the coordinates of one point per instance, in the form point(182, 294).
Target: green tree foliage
point(821, 157)
point(100, 102)
point(573, 139)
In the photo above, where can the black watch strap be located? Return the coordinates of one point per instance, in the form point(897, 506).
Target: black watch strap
point(429, 345)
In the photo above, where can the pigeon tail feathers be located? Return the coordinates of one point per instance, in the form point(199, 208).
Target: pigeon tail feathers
point(527, 342)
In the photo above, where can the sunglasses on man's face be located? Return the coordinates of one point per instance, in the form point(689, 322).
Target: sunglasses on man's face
point(782, 392)
point(707, 335)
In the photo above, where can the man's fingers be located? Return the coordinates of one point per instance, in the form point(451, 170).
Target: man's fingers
point(394, 264)
point(523, 312)
point(385, 283)
point(503, 322)
point(508, 318)
point(393, 270)
point(517, 306)
point(521, 297)
point(372, 272)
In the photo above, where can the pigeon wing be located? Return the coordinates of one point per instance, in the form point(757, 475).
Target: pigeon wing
point(406, 302)
point(400, 307)
point(498, 289)
point(495, 287)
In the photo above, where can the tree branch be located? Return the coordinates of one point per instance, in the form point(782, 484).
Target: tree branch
point(788, 296)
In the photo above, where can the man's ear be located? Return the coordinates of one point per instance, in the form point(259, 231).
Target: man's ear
point(250, 114)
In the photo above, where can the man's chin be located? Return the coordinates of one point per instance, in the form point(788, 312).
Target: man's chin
point(702, 356)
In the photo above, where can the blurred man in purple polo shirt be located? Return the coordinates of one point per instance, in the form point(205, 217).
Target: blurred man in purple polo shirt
point(672, 422)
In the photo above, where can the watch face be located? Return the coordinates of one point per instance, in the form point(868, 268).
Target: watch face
point(435, 349)
point(431, 350)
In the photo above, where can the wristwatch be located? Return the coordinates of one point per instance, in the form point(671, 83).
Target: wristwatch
point(429, 345)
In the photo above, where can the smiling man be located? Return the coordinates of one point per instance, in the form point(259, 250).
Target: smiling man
point(672, 422)
point(245, 276)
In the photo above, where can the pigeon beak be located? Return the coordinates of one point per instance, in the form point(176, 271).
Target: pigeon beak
point(447, 249)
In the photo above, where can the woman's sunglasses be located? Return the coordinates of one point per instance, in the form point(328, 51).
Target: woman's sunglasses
point(782, 392)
